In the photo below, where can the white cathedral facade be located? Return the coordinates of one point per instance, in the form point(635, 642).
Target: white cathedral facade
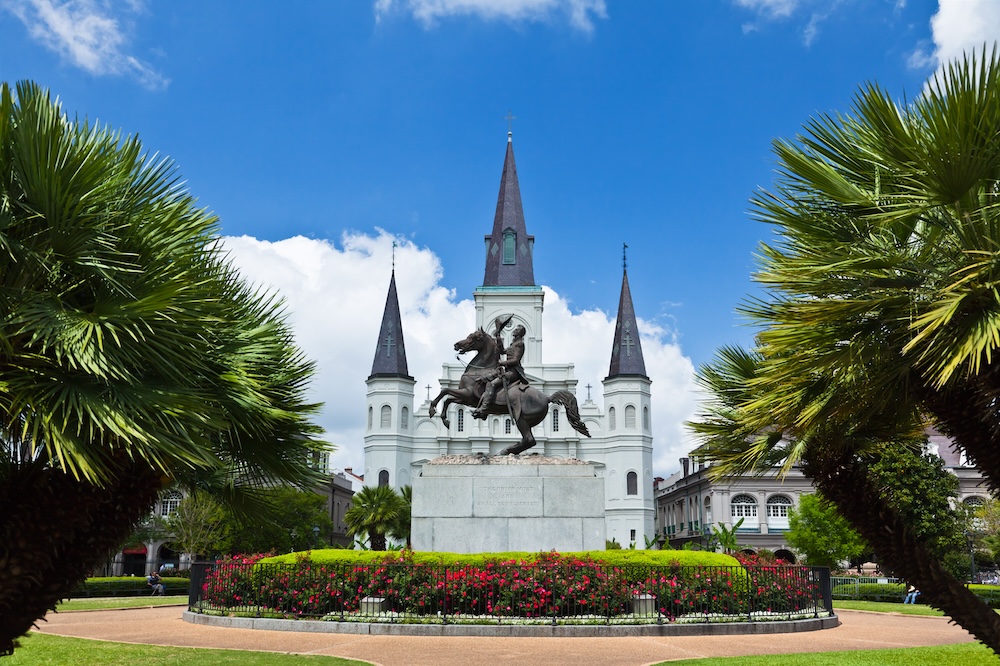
point(401, 436)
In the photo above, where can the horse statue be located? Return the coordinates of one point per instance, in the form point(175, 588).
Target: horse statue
point(526, 405)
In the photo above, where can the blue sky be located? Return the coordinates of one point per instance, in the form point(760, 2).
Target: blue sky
point(320, 132)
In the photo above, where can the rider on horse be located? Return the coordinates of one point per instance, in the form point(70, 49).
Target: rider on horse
point(508, 372)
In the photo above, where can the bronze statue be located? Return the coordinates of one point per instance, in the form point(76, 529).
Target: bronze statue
point(508, 372)
point(526, 405)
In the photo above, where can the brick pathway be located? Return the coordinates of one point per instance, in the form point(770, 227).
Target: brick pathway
point(164, 626)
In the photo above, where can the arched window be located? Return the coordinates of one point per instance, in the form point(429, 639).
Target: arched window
point(555, 420)
point(708, 511)
point(460, 421)
point(630, 417)
point(385, 422)
point(169, 502)
point(974, 502)
point(777, 512)
point(611, 418)
point(404, 418)
point(509, 246)
point(631, 483)
point(744, 506)
point(507, 423)
point(645, 419)
point(383, 477)
point(371, 413)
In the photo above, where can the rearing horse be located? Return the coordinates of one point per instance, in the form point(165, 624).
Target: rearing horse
point(528, 405)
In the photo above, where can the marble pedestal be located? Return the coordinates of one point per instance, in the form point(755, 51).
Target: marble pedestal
point(477, 508)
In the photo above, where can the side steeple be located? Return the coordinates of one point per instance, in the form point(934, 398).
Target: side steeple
point(509, 247)
point(390, 352)
point(626, 354)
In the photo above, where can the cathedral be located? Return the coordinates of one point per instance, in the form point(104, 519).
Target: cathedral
point(401, 436)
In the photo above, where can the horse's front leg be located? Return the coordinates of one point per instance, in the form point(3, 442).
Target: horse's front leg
point(432, 410)
point(444, 411)
point(527, 440)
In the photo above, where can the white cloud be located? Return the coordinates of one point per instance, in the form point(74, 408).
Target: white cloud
point(960, 26)
point(87, 34)
point(770, 8)
point(335, 298)
point(579, 12)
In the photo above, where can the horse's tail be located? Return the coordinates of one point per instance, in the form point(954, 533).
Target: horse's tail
point(568, 400)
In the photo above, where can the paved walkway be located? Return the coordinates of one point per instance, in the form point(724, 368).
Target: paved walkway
point(164, 626)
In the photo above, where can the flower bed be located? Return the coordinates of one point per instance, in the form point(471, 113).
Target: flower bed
point(552, 588)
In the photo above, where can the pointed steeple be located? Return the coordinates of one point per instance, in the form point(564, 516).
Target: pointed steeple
point(626, 354)
point(390, 352)
point(509, 247)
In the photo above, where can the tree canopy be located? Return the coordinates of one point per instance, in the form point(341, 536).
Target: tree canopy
point(132, 354)
point(826, 538)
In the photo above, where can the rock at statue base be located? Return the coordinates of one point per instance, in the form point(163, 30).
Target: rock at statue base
point(481, 504)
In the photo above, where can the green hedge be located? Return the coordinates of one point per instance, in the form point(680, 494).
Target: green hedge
point(127, 586)
point(895, 592)
point(617, 558)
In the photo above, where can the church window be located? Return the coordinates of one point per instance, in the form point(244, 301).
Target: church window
point(645, 419)
point(461, 420)
point(611, 418)
point(630, 418)
point(777, 512)
point(631, 483)
point(404, 418)
point(371, 413)
point(555, 420)
point(509, 246)
point(385, 421)
point(507, 423)
point(383, 477)
point(169, 503)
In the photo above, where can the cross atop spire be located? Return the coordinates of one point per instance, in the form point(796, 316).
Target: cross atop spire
point(624, 256)
point(510, 118)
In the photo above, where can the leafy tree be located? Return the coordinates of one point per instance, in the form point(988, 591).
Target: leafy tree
point(986, 521)
point(374, 511)
point(286, 524)
point(198, 526)
point(132, 355)
point(816, 530)
point(881, 309)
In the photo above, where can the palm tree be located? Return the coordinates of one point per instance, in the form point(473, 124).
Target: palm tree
point(132, 356)
point(374, 511)
point(883, 312)
point(401, 528)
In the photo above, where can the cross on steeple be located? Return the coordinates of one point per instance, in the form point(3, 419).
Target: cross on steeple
point(428, 387)
point(624, 257)
point(588, 392)
point(389, 343)
point(627, 343)
point(510, 118)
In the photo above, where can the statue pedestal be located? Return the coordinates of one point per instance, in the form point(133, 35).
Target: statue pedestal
point(471, 504)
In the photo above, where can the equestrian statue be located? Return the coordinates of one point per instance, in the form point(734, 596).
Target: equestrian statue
point(499, 387)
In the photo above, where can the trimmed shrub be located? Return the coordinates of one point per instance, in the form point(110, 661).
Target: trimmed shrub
point(127, 586)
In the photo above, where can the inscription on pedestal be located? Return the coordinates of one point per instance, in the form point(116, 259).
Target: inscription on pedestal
point(507, 497)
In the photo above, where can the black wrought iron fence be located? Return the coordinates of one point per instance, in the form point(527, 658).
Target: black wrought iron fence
point(558, 593)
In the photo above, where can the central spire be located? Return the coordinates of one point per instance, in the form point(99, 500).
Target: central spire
point(509, 247)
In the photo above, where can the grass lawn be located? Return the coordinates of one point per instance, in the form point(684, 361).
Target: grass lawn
point(104, 603)
point(57, 650)
point(882, 607)
point(966, 654)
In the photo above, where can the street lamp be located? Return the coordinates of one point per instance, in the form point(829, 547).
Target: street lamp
point(315, 536)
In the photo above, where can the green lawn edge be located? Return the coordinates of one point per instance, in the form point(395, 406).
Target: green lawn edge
point(657, 558)
point(962, 654)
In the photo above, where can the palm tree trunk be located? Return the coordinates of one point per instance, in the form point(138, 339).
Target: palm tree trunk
point(842, 479)
point(54, 530)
